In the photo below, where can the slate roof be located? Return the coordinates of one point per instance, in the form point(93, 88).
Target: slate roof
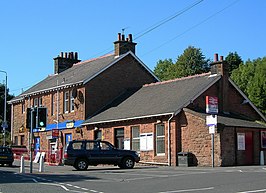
point(80, 73)
point(229, 120)
point(155, 99)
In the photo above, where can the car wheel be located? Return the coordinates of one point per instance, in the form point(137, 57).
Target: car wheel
point(128, 163)
point(81, 164)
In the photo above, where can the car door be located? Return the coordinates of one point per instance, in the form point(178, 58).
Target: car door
point(109, 154)
point(93, 152)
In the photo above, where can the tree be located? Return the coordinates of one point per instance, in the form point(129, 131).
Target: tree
point(251, 79)
point(256, 89)
point(8, 107)
point(234, 60)
point(191, 62)
point(162, 69)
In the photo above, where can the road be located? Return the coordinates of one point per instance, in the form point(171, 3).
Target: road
point(143, 179)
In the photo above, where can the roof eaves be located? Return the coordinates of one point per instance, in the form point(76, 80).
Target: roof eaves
point(246, 98)
point(128, 119)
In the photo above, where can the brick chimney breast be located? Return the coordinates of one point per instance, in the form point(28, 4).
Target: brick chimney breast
point(123, 45)
point(65, 61)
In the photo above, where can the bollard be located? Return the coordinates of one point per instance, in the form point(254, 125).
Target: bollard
point(22, 165)
point(261, 158)
point(41, 167)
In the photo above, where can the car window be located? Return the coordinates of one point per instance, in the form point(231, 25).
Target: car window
point(5, 150)
point(90, 145)
point(104, 146)
point(77, 145)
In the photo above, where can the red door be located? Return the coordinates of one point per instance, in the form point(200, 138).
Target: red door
point(249, 148)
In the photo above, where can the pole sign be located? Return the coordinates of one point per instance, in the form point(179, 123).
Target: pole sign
point(211, 104)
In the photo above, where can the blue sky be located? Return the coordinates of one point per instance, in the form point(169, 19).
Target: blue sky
point(34, 32)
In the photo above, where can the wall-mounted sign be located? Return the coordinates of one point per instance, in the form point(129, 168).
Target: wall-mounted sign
point(263, 139)
point(70, 124)
point(211, 120)
point(241, 141)
point(146, 141)
point(212, 104)
point(55, 133)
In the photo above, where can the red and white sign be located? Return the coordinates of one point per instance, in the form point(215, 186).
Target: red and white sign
point(55, 133)
point(211, 104)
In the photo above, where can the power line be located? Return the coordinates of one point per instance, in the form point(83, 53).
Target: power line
point(164, 21)
point(194, 26)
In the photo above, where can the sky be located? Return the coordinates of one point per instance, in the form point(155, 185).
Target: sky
point(32, 32)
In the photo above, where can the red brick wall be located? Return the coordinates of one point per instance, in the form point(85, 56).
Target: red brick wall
point(197, 140)
point(127, 73)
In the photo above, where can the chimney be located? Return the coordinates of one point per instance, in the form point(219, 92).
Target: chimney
point(221, 67)
point(123, 45)
point(65, 61)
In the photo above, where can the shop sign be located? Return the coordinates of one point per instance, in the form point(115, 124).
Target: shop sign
point(211, 104)
point(70, 124)
point(55, 133)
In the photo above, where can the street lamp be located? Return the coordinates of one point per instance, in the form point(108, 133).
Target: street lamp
point(4, 124)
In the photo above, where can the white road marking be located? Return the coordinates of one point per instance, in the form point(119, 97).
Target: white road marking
point(251, 191)
point(189, 190)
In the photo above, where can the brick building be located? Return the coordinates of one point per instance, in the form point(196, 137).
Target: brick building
point(77, 90)
point(118, 99)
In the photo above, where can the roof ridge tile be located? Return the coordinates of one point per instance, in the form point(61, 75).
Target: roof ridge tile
point(176, 79)
point(93, 59)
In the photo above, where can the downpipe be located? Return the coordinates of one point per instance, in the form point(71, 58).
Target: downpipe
point(169, 138)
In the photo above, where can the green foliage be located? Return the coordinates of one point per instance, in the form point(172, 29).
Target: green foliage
point(191, 62)
point(7, 138)
point(2, 102)
point(234, 60)
point(251, 79)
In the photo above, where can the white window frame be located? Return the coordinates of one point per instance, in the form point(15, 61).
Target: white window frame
point(66, 102)
point(135, 139)
point(72, 104)
point(160, 137)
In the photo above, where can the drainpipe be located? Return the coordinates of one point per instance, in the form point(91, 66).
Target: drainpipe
point(169, 143)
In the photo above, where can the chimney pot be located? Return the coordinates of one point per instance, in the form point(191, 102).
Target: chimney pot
point(65, 54)
point(215, 57)
point(130, 37)
point(221, 58)
point(62, 54)
point(76, 55)
point(119, 36)
point(123, 37)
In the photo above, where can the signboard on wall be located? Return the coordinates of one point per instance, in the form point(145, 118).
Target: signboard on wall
point(127, 144)
point(146, 141)
point(55, 133)
point(241, 141)
point(263, 139)
point(212, 104)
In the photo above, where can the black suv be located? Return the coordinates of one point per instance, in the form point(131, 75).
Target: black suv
point(6, 156)
point(80, 154)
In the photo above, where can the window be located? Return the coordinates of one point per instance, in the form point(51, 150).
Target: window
point(22, 139)
point(66, 102)
point(72, 104)
point(23, 108)
point(77, 145)
point(160, 139)
point(135, 138)
point(40, 102)
point(16, 140)
point(35, 102)
point(91, 146)
point(98, 135)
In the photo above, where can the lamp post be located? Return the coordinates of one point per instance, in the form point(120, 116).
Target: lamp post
point(4, 124)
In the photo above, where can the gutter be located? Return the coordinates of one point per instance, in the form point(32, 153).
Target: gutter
point(169, 138)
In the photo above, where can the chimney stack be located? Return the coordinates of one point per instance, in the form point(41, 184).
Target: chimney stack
point(65, 61)
point(123, 45)
point(221, 67)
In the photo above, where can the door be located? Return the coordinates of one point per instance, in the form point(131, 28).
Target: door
point(249, 148)
point(119, 138)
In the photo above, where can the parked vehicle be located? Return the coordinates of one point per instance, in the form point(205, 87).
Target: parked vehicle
point(6, 156)
point(19, 149)
point(81, 154)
